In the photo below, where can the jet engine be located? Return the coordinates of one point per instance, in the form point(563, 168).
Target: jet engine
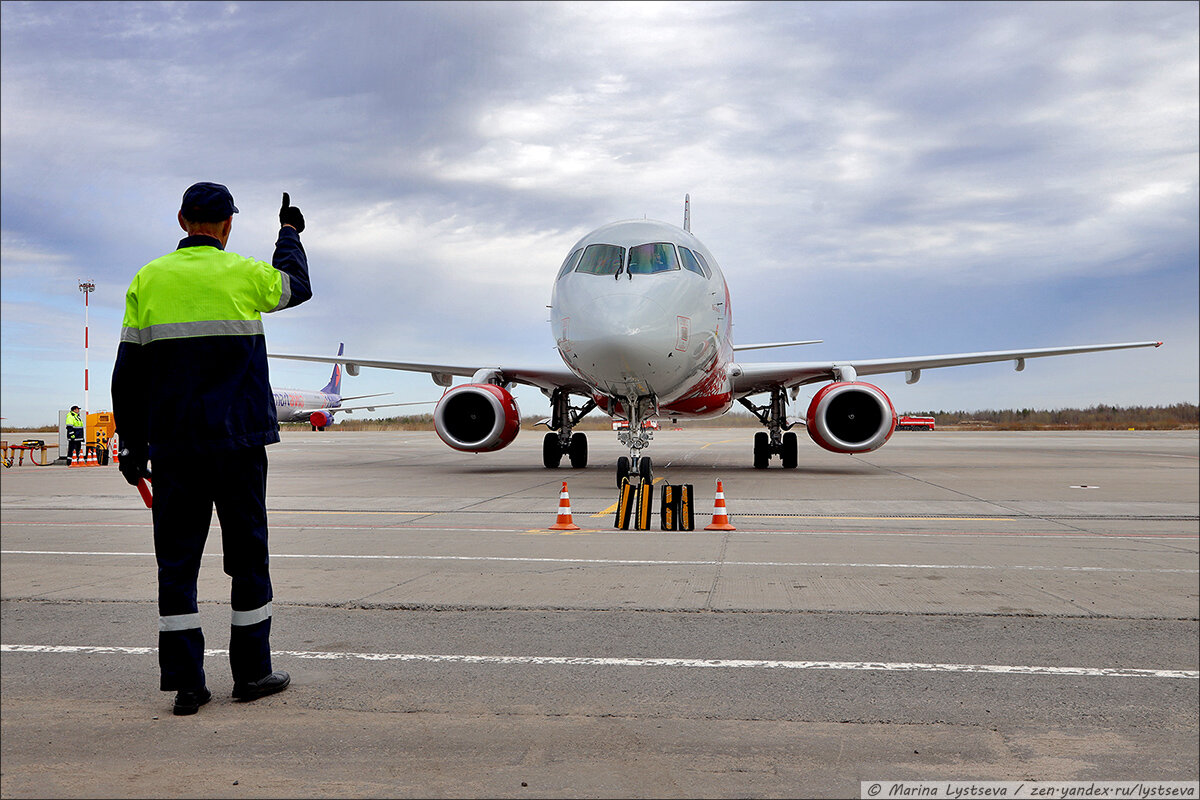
point(477, 417)
point(320, 419)
point(847, 417)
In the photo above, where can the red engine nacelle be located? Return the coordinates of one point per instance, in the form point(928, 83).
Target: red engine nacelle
point(477, 417)
point(320, 419)
point(849, 417)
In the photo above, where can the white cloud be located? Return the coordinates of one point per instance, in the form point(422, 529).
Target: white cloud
point(446, 155)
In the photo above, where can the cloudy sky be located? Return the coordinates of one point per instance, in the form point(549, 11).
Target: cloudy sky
point(896, 179)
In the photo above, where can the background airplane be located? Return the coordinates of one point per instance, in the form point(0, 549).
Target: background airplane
point(641, 317)
point(318, 407)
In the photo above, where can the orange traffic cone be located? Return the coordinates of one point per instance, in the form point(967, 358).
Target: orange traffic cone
point(720, 520)
point(564, 522)
point(114, 457)
point(77, 461)
point(92, 460)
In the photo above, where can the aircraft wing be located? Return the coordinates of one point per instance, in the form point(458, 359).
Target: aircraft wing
point(350, 409)
point(364, 396)
point(543, 377)
point(753, 378)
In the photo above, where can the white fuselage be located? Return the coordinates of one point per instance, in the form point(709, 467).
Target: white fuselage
point(297, 405)
point(640, 311)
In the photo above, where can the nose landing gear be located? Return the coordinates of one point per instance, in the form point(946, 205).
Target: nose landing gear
point(637, 467)
point(637, 438)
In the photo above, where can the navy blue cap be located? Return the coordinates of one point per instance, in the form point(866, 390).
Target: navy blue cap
point(207, 202)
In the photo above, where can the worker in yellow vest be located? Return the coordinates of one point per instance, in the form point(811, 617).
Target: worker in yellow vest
point(74, 433)
point(192, 348)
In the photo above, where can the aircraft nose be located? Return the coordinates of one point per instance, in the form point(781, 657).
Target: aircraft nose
point(621, 338)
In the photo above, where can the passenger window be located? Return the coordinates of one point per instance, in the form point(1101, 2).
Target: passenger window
point(570, 263)
point(646, 259)
point(602, 259)
point(690, 262)
point(704, 265)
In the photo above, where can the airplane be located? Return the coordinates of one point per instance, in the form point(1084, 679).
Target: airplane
point(297, 405)
point(640, 314)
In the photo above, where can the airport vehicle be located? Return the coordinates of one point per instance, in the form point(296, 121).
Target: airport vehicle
point(318, 407)
point(910, 423)
point(641, 316)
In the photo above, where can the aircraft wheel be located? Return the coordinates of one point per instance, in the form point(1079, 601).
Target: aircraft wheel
point(622, 470)
point(789, 454)
point(645, 469)
point(762, 450)
point(578, 451)
point(551, 452)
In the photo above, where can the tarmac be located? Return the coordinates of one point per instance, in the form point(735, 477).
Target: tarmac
point(953, 606)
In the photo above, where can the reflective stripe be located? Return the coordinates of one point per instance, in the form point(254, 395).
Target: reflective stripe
point(185, 330)
point(251, 617)
point(286, 294)
point(179, 622)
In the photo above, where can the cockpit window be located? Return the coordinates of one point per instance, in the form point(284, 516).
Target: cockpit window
point(646, 259)
point(704, 265)
point(602, 259)
point(691, 263)
point(570, 263)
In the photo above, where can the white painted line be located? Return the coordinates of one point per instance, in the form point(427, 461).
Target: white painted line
point(643, 562)
point(710, 663)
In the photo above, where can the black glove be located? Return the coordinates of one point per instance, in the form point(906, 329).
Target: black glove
point(133, 465)
point(290, 215)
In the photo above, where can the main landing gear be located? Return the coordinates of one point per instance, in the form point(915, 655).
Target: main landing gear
point(561, 441)
point(576, 450)
point(776, 442)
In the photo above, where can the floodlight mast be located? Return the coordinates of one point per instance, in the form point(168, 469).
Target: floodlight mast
point(87, 287)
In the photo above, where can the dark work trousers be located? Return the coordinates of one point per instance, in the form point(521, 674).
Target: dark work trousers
point(185, 490)
point(74, 442)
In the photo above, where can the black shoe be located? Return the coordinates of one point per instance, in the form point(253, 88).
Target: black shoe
point(190, 702)
point(252, 690)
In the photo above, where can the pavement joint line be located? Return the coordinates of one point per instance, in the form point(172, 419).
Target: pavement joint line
point(705, 663)
point(1074, 534)
point(1012, 517)
point(647, 562)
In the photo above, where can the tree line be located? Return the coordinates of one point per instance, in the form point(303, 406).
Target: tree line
point(1180, 416)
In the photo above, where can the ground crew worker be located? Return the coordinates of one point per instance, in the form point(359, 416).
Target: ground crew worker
point(74, 433)
point(191, 393)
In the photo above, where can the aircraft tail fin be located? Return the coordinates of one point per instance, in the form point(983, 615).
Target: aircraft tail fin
point(335, 380)
point(687, 213)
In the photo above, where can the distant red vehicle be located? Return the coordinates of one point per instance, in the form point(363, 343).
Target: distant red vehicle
point(623, 425)
point(914, 424)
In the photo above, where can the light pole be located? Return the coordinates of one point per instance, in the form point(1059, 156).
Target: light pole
point(87, 287)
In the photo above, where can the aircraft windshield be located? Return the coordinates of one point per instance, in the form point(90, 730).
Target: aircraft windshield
point(704, 265)
point(690, 263)
point(646, 259)
point(570, 263)
point(602, 259)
